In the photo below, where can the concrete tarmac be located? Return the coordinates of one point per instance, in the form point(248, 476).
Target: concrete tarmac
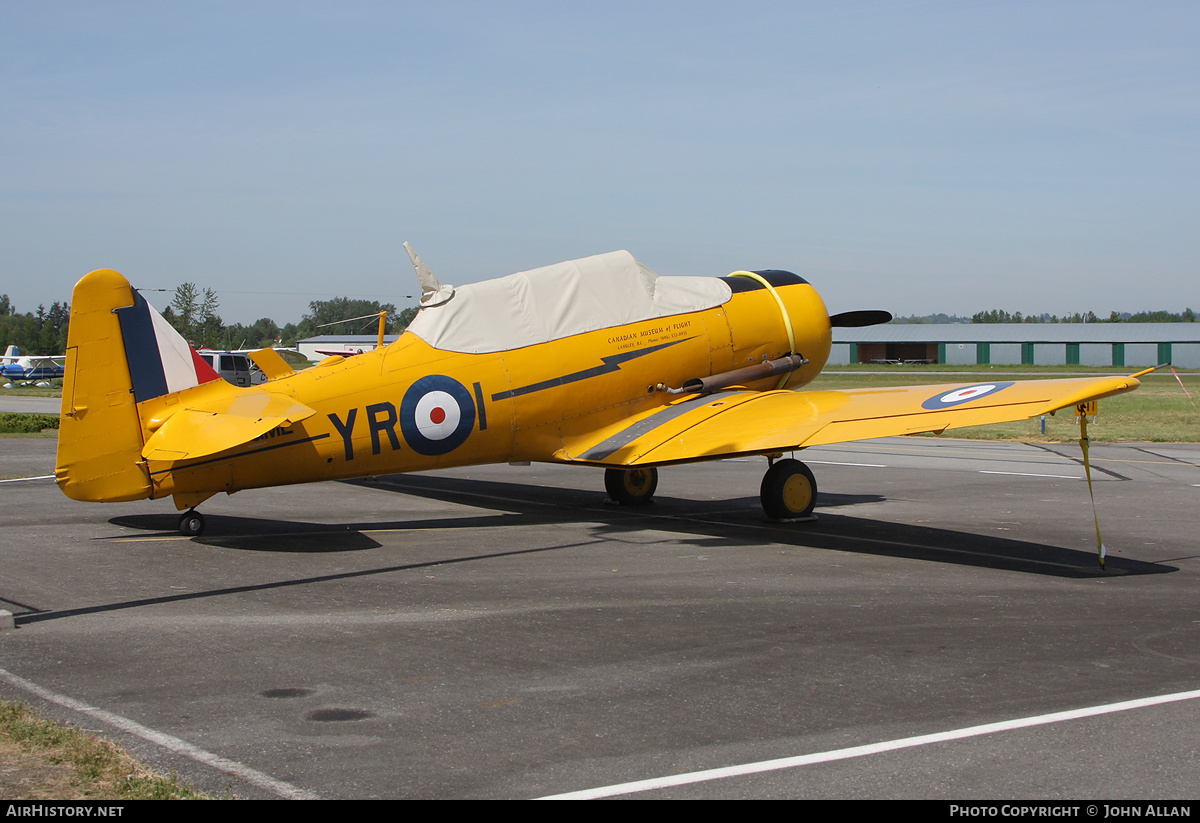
point(31, 405)
point(502, 632)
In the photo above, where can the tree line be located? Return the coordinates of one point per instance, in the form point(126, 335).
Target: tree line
point(193, 313)
point(1001, 316)
point(40, 332)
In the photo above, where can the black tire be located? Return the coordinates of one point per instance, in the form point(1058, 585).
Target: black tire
point(789, 490)
point(191, 524)
point(631, 487)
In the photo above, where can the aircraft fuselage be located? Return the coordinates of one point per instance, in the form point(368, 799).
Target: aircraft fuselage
point(409, 407)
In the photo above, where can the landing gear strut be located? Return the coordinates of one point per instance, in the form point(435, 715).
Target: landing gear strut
point(191, 523)
point(631, 487)
point(789, 491)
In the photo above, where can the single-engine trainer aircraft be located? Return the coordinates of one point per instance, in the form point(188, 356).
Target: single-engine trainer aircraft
point(596, 362)
point(29, 368)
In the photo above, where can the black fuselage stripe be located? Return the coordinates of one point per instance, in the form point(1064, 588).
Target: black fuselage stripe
point(610, 364)
point(243, 454)
point(776, 277)
point(479, 403)
point(623, 438)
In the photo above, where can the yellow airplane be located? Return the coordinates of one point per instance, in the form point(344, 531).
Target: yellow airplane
point(596, 361)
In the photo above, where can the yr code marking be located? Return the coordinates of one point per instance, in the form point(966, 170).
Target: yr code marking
point(436, 416)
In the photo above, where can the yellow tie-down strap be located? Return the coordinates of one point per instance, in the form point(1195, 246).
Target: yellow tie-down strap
point(787, 318)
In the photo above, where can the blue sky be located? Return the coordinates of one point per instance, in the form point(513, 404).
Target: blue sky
point(912, 156)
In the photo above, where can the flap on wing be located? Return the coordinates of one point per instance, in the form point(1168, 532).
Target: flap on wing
point(204, 429)
point(744, 422)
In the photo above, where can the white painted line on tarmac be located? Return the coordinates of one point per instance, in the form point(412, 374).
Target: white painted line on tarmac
point(257, 778)
point(23, 479)
point(873, 748)
point(1028, 474)
point(833, 463)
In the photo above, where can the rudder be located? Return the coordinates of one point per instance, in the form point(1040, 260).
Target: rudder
point(99, 433)
point(120, 352)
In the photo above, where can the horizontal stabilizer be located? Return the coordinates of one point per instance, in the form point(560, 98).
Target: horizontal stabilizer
point(210, 428)
point(271, 363)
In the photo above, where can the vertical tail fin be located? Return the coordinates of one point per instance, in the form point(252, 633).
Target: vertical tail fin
point(120, 352)
point(160, 360)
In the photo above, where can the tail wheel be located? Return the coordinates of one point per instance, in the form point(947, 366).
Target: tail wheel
point(191, 524)
point(631, 487)
point(789, 491)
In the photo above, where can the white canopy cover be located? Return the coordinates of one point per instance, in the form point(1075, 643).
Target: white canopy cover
point(557, 301)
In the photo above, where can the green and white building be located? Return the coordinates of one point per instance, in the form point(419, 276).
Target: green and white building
point(1121, 345)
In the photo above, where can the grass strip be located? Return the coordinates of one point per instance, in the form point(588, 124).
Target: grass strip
point(1157, 412)
point(46, 760)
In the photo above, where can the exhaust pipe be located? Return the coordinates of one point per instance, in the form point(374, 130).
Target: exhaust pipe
point(760, 371)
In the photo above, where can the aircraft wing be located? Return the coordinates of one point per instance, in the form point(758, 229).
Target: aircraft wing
point(208, 428)
point(747, 422)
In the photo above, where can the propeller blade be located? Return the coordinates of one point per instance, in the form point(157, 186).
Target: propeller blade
point(858, 319)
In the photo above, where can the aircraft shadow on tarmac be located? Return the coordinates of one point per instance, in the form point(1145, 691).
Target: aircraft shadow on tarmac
point(739, 522)
point(732, 523)
point(265, 534)
point(735, 525)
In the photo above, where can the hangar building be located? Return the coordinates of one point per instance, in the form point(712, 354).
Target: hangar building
point(1037, 344)
point(311, 347)
point(959, 344)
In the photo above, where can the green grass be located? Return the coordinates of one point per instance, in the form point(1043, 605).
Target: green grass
point(932, 369)
point(99, 769)
point(53, 390)
point(1158, 411)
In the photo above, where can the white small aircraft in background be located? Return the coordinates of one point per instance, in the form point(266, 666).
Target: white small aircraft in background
point(16, 367)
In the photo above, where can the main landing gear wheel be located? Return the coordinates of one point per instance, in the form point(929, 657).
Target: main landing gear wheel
point(789, 491)
point(631, 487)
point(191, 524)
